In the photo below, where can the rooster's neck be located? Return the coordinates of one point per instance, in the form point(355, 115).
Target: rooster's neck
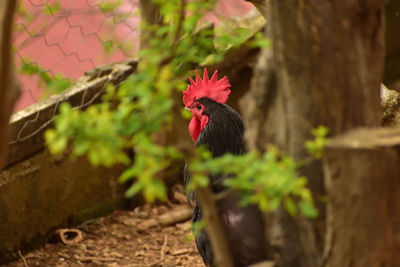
point(224, 130)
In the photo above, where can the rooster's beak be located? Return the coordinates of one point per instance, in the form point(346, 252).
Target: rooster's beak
point(187, 108)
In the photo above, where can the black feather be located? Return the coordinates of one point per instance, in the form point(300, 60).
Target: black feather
point(243, 226)
point(224, 130)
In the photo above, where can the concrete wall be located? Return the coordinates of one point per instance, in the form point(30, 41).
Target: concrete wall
point(40, 193)
point(43, 193)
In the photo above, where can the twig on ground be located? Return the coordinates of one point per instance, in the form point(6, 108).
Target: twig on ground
point(23, 259)
point(97, 259)
point(164, 246)
point(177, 215)
point(182, 251)
point(162, 256)
point(85, 223)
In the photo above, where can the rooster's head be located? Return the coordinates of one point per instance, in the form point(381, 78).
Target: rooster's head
point(214, 89)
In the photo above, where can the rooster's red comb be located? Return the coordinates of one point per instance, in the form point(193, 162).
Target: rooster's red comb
point(217, 90)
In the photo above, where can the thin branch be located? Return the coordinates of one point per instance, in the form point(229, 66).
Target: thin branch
point(91, 258)
point(222, 253)
point(23, 259)
point(164, 246)
point(181, 18)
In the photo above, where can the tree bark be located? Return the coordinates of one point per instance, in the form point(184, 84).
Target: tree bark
point(363, 184)
point(149, 15)
point(391, 77)
point(9, 90)
point(324, 68)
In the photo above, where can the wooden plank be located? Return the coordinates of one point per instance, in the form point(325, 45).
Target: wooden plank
point(28, 125)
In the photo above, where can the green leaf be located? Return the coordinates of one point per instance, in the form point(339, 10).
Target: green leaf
point(260, 41)
point(198, 226)
point(134, 189)
point(58, 145)
point(320, 131)
point(110, 5)
point(315, 147)
point(30, 68)
point(273, 204)
point(81, 147)
point(308, 209)
point(51, 9)
point(290, 206)
point(108, 46)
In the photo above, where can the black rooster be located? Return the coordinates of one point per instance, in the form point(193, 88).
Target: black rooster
point(220, 128)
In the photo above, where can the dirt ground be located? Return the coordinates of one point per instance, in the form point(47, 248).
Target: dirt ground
point(147, 236)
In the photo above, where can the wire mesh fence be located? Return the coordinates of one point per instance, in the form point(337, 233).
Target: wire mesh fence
point(56, 41)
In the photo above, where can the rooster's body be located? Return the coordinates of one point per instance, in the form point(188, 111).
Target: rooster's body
point(220, 129)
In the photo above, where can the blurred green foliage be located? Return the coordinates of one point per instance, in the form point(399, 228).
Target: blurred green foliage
point(266, 180)
point(110, 5)
point(108, 46)
point(315, 147)
point(53, 84)
point(51, 9)
point(131, 117)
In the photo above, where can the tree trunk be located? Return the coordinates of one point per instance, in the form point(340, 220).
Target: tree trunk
point(149, 15)
point(363, 184)
point(391, 77)
point(9, 90)
point(324, 68)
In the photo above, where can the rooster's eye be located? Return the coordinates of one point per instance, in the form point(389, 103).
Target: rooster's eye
point(198, 107)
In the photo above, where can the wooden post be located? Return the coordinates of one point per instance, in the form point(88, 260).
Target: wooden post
point(362, 176)
point(9, 90)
